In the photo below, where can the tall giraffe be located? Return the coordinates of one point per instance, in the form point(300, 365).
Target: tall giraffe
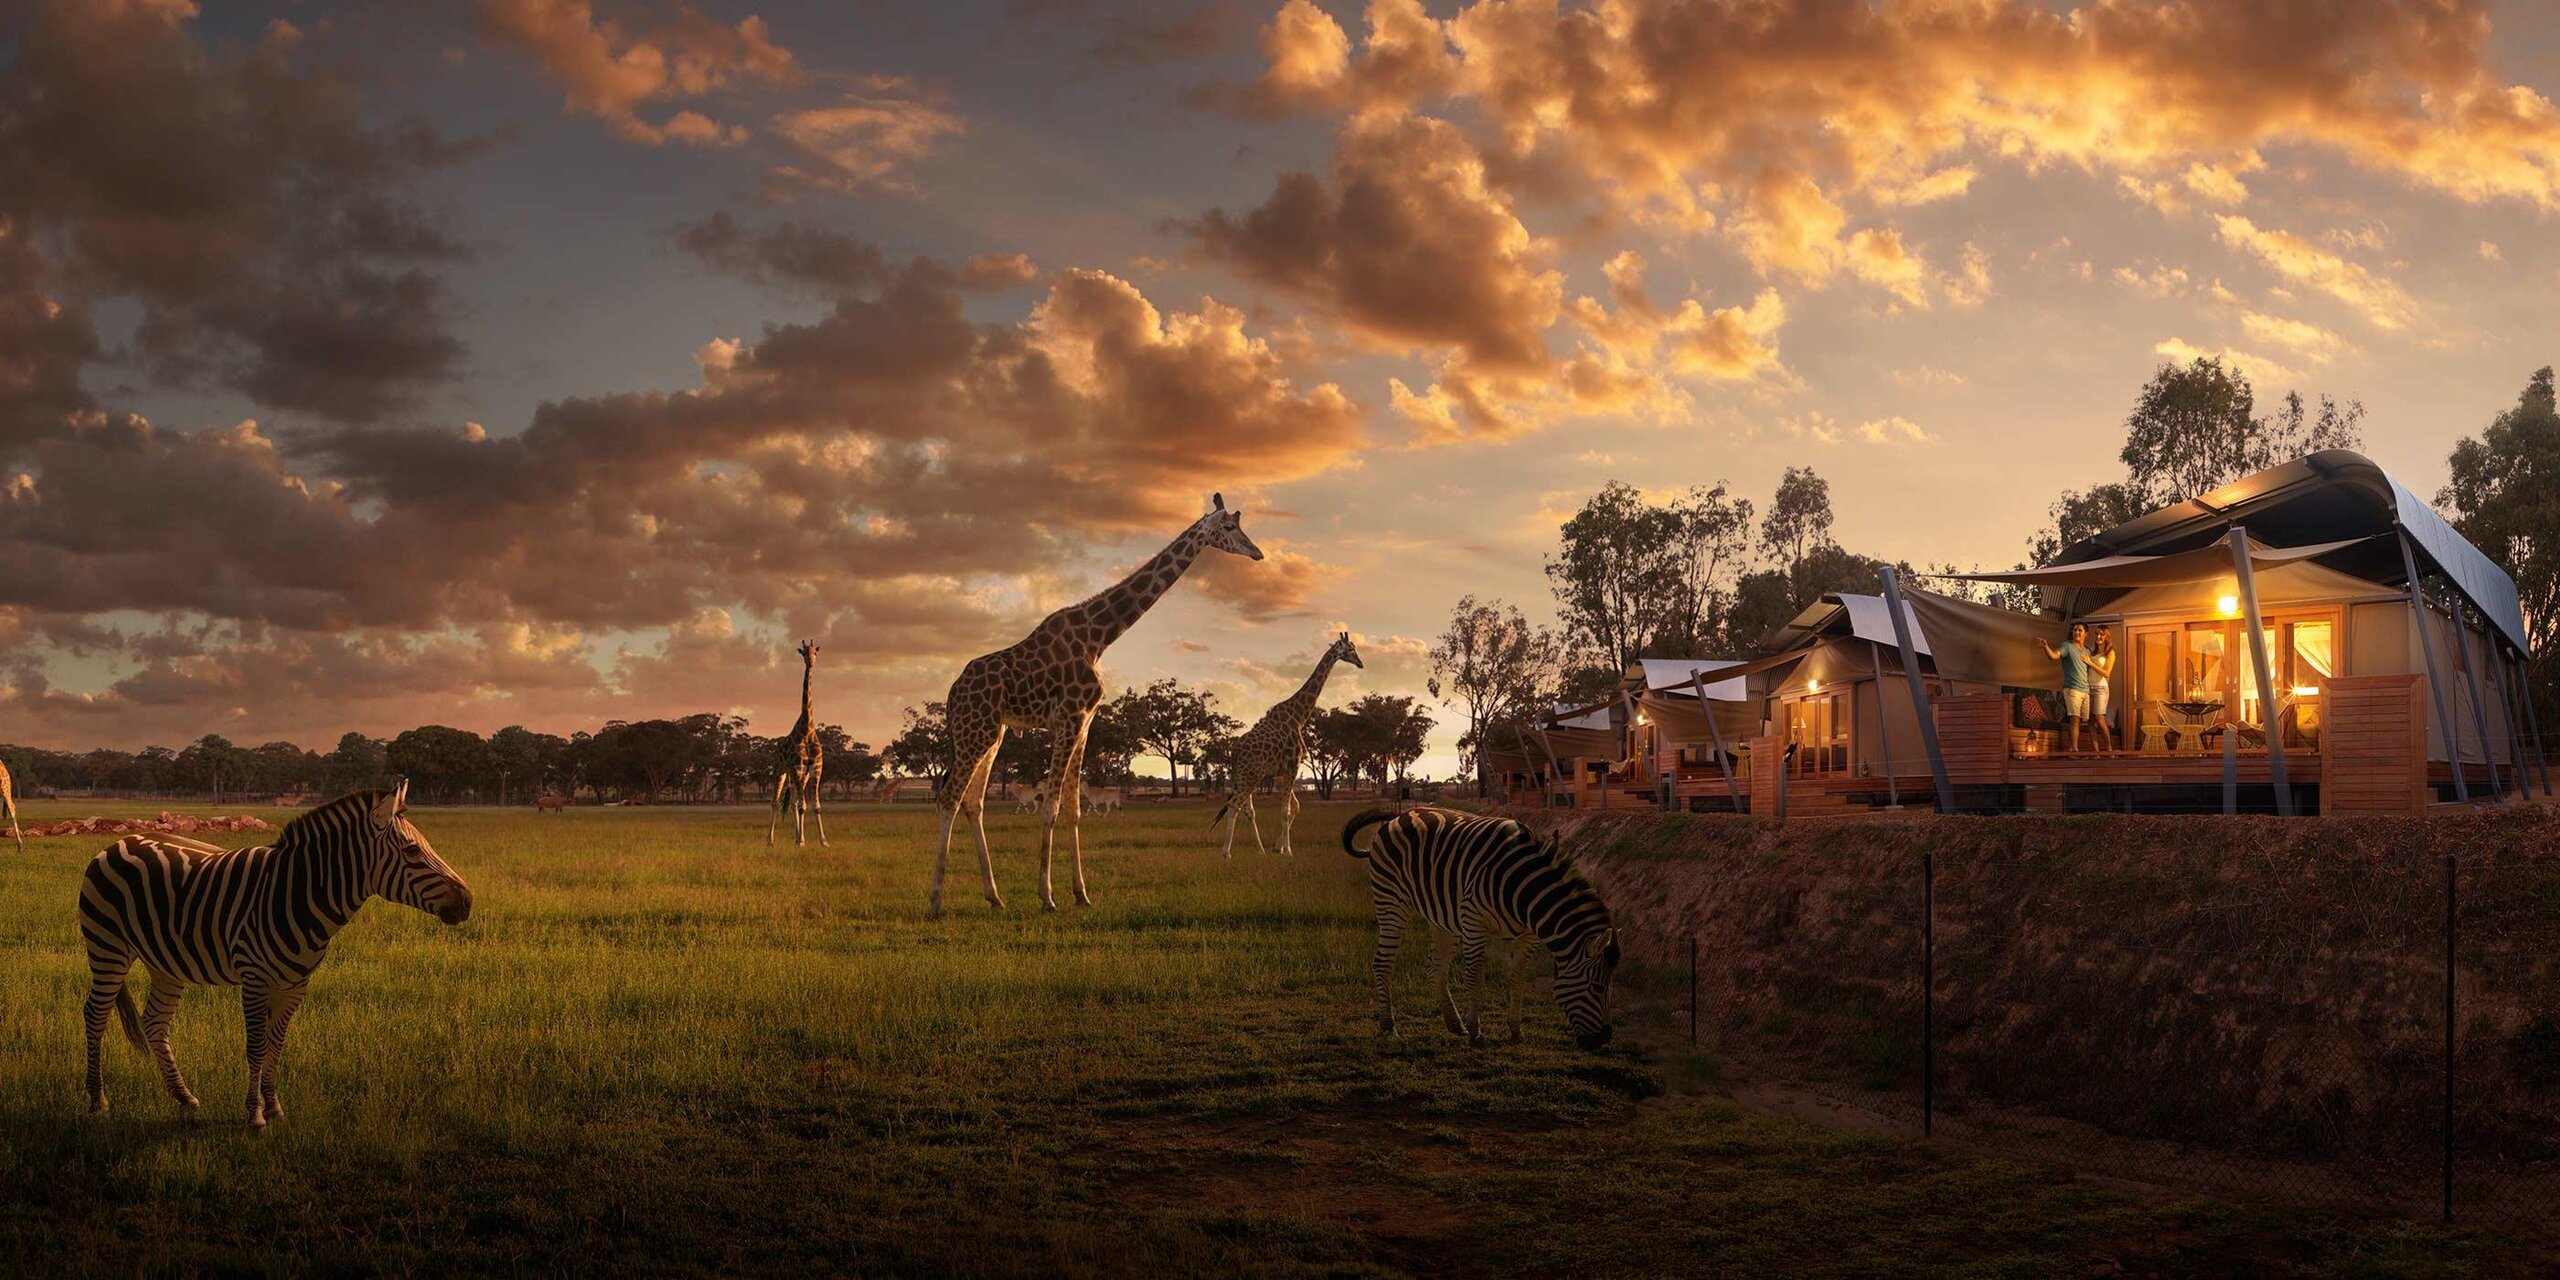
point(1272, 749)
point(1050, 680)
point(804, 766)
point(9, 806)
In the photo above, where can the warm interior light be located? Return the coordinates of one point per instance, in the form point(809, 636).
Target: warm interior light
point(2306, 691)
point(1813, 686)
point(2229, 605)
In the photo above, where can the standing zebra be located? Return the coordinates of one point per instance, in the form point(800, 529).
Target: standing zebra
point(259, 919)
point(1484, 878)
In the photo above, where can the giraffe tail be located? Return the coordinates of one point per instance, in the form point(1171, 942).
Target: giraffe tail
point(1223, 809)
point(1351, 830)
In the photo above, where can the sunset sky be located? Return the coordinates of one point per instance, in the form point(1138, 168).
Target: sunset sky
point(552, 361)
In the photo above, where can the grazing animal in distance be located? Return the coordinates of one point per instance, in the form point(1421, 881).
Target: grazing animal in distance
point(804, 765)
point(258, 918)
point(9, 807)
point(1272, 750)
point(1481, 879)
point(1051, 679)
point(550, 803)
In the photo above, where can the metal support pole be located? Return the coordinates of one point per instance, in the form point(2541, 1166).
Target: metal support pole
point(2479, 704)
point(2514, 735)
point(1544, 796)
point(1928, 991)
point(2448, 1035)
point(2533, 720)
point(1884, 726)
point(2264, 668)
point(1921, 710)
point(2427, 652)
point(1715, 734)
point(2231, 771)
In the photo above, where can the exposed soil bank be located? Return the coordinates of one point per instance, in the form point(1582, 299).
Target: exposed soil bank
point(2258, 982)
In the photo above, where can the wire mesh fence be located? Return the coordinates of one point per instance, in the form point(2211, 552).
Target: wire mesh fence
point(2357, 1029)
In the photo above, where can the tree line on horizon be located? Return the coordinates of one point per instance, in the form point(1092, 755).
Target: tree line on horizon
point(1706, 574)
point(709, 757)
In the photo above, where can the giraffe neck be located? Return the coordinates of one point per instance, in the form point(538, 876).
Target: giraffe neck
point(807, 669)
point(1303, 703)
point(1116, 609)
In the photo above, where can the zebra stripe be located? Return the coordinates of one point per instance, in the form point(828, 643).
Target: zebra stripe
point(1484, 878)
point(259, 919)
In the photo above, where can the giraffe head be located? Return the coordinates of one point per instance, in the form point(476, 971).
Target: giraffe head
point(809, 652)
point(1224, 529)
point(1344, 651)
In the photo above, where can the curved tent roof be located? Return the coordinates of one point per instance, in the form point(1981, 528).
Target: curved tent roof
point(2334, 496)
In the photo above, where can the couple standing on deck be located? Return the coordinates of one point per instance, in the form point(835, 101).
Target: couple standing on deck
point(2085, 678)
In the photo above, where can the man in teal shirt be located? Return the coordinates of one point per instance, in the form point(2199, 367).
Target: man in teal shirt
point(2074, 654)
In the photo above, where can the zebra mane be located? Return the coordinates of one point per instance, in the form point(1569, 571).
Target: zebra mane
point(321, 819)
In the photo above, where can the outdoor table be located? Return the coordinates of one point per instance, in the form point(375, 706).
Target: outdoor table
point(2195, 716)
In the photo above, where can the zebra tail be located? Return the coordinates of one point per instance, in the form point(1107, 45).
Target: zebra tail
point(1351, 830)
point(131, 1020)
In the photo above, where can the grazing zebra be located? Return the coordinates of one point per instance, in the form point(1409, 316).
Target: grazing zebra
point(1484, 878)
point(259, 919)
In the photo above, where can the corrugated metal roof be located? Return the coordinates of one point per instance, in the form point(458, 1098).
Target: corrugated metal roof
point(2333, 494)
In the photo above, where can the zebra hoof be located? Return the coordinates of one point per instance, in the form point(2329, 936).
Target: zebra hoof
point(257, 1117)
point(98, 1104)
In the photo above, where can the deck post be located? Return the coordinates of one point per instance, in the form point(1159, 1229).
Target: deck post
point(2230, 771)
point(2264, 669)
point(1920, 708)
point(2533, 720)
point(1715, 732)
point(1884, 726)
point(1546, 791)
point(2427, 652)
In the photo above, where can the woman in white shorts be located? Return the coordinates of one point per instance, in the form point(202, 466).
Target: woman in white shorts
point(2102, 666)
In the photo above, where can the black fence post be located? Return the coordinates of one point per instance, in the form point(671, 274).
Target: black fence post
point(2448, 1036)
point(1928, 992)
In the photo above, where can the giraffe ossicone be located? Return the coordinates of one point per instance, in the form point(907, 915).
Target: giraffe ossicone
point(1051, 679)
point(1272, 750)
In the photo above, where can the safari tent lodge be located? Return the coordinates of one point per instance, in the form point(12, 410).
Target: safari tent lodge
point(2311, 638)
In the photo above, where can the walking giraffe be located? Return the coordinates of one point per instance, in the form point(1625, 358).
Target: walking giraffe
point(1271, 751)
point(9, 806)
point(804, 766)
point(1050, 680)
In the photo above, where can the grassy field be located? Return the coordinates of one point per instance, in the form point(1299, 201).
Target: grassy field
point(660, 1048)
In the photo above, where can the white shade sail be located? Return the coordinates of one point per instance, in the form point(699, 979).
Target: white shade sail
point(2201, 564)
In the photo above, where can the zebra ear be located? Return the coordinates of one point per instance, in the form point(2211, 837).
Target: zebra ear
point(388, 807)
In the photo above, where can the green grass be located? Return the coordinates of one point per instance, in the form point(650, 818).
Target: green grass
point(659, 1048)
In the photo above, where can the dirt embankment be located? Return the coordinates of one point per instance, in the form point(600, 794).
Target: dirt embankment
point(2262, 982)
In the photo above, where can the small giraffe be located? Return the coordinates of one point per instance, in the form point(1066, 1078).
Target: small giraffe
point(1050, 680)
point(804, 766)
point(1272, 749)
point(9, 806)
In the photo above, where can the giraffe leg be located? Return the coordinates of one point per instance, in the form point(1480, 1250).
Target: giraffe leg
point(280, 1019)
point(106, 987)
point(1075, 812)
point(975, 799)
point(1061, 801)
point(1235, 812)
point(1382, 962)
point(780, 785)
point(1256, 822)
point(157, 1013)
point(818, 805)
point(1288, 819)
point(969, 759)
